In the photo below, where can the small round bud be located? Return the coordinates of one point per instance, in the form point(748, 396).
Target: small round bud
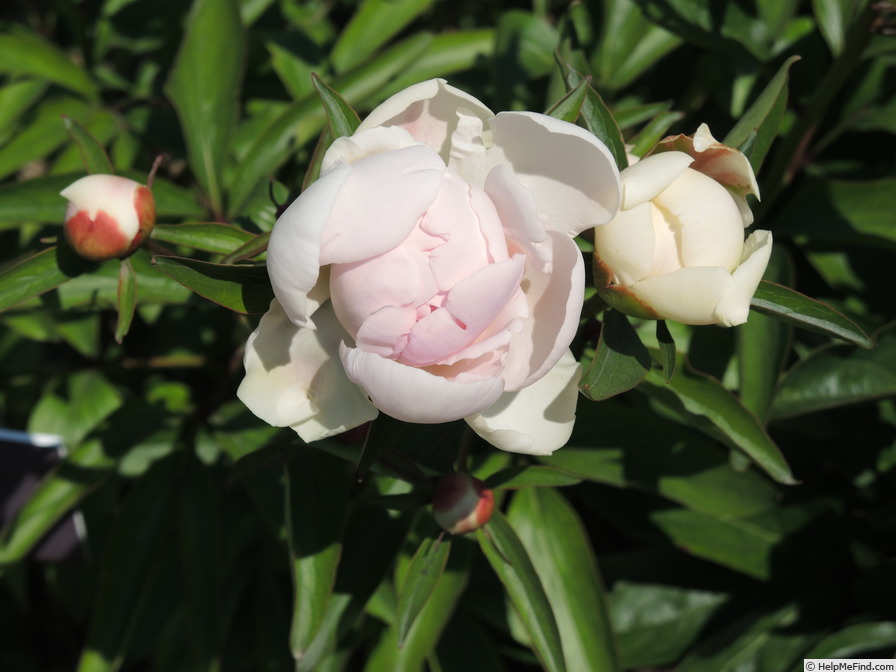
point(462, 503)
point(108, 216)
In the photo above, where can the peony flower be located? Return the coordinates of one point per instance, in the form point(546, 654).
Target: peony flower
point(431, 273)
point(676, 248)
point(107, 216)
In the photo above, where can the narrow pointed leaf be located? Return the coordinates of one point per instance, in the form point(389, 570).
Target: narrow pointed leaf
point(208, 236)
point(557, 543)
point(513, 478)
point(29, 55)
point(317, 499)
point(243, 289)
point(420, 580)
point(342, 118)
point(127, 299)
point(716, 411)
point(799, 310)
point(92, 153)
point(508, 557)
point(763, 117)
point(33, 275)
point(667, 349)
point(204, 86)
point(374, 23)
point(570, 106)
point(620, 362)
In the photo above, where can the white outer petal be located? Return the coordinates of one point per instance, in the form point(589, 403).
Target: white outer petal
point(294, 377)
point(348, 149)
point(415, 395)
point(536, 420)
point(429, 111)
point(112, 194)
point(294, 248)
point(734, 305)
point(571, 173)
point(648, 177)
point(555, 306)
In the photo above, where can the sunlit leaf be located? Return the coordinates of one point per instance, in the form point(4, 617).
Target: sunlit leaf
point(127, 299)
point(92, 153)
point(243, 289)
point(620, 362)
point(420, 580)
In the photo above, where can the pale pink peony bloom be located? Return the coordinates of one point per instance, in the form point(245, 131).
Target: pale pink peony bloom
point(676, 249)
point(107, 217)
point(431, 273)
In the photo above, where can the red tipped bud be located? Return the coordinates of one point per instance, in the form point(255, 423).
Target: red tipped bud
point(108, 216)
point(462, 503)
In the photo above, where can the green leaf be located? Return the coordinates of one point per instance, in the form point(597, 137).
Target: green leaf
point(656, 624)
point(87, 400)
point(199, 541)
point(799, 310)
point(771, 637)
point(373, 539)
point(316, 504)
point(432, 619)
point(373, 24)
point(837, 376)
point(842, 211)
point(713, 409)
point(343, 119)
point(127, 299)
point(762, 347)
point(92, 153)
point(558, 546)
point(42, 135)
point(570, 106)
point(208, 236)
point(303, 120)
point(529, 476)
point(858, 640)
point(420, 580)
point(630, 44)
point(138, 536)
point(446, 54)
point(763, 117)
point(54, 498)
point(243, 289)
point(16, 98)
point(654, 131)
point(832, 18)
point(508, 557)
point(663, 458)
point(204, 88)
point(28, 54)
point(28, 277)
point(620, 363)
point(667, 349)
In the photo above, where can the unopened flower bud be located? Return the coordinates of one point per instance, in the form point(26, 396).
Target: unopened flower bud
point(462, 503)
point(108, 216)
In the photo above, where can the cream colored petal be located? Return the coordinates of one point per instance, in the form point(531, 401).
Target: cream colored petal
point(536, 420)
point(647, 178)
point(689, 295)
point(734, 305)
point(627, 244)
point(294, 377)
point(709, 227)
